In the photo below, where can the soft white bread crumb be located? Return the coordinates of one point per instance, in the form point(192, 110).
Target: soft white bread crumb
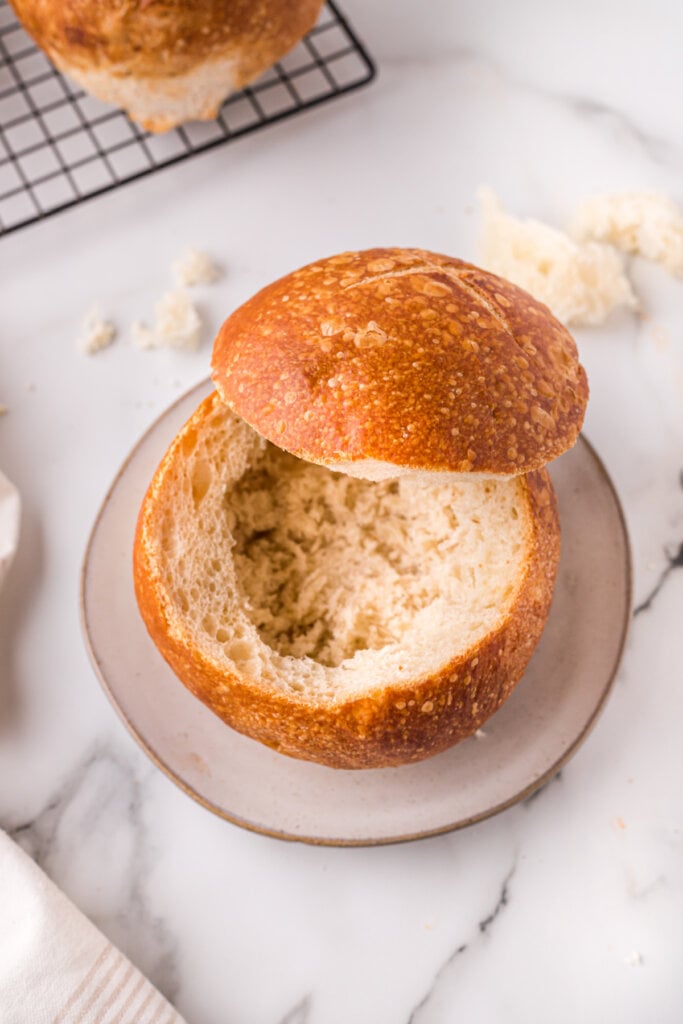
point(97, 333)
point(318, 582)
point(177, 320)
point(177, 324)
point(580, 283)
point(193, 268)
point(647, 223)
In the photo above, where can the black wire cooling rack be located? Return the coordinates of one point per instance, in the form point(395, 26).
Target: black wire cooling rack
point(59, 146)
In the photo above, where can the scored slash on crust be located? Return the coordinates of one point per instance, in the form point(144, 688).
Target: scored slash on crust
point(395, 361)
point(459, 278)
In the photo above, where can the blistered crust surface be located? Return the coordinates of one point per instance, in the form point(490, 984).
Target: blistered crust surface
point(405, 357)
point(163, 38)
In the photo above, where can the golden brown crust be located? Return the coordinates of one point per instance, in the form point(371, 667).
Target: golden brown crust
point(162, 38)
point(405, 357)
point(398, 723)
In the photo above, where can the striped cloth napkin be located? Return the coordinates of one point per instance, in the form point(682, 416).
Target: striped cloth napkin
point(55, 966)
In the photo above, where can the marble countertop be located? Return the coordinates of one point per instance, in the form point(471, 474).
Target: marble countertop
point(564, 908)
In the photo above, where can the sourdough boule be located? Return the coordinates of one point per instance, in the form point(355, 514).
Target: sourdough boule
point(360, 623)
point(165, 62)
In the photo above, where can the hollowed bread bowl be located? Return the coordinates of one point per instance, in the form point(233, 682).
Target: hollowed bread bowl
point(348, 552)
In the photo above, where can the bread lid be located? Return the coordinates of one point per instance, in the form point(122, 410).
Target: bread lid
point(394, 361)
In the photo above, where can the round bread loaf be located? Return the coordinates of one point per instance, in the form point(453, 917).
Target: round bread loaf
point(165, 61)
point(395, 361)
point(352, 623)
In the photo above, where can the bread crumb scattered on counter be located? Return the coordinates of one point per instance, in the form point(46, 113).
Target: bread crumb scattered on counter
point(96, 332)
point(580, 282)
point(177, 324)
point(634, 959)
point(480, 734)
point(3, 409)
point(195, 267)
point(645, 223)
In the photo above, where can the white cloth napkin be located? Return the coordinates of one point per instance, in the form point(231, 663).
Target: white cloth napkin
point(55, 966)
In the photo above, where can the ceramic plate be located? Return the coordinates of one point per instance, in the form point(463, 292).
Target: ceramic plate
point(524, 744)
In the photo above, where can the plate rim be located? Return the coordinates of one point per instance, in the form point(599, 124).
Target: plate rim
point(250, 826)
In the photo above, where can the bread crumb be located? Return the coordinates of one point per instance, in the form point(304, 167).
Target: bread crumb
point(193, 268)
point(480, 734)
point(3, 409)
point(96, 332)
point(580, 283)
point(177, 324)
point(634, 959)
point(177, 321)
point(646, 223)
point(619, 823)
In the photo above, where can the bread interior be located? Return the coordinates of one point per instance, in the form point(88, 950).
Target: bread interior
point(300, 577)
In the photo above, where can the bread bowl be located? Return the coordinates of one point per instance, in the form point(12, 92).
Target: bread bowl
point(323, 583)
point(166, 62)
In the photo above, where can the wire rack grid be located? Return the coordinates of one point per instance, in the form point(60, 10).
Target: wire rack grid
point(59, 146)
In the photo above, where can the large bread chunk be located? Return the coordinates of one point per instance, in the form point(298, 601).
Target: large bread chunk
point(350, 623)
point(394, 361)
point(166, 61)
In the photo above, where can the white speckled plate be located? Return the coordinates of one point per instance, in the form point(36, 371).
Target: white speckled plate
point(525, 743)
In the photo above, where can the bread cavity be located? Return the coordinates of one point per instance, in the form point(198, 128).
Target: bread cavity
point(289, 573)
